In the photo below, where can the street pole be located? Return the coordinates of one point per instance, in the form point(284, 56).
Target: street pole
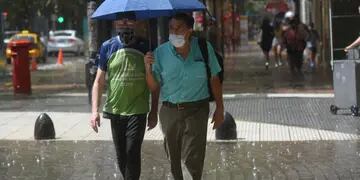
point(2, 30)
point(93, 30)
point(90, 67)
point(54, 16)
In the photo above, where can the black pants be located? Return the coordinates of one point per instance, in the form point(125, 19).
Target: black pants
point(128, 134)
point(295, 61)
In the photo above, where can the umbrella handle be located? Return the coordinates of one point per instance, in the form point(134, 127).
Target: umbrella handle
point(149, 35)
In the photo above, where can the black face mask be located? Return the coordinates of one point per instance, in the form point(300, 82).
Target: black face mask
point(126, 36)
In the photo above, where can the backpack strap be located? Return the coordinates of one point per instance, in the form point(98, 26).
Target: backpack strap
point(204, 52)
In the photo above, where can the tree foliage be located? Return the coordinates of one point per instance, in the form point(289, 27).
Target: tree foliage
point(21, 13)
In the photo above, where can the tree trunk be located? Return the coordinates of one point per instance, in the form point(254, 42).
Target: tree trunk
point(90, 67)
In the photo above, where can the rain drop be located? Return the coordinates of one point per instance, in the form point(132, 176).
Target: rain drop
point(254, 174)
point(248, 154)
point(298, 155)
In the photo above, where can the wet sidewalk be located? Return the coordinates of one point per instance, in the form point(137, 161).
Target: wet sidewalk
point(50, 77)
point(258, 118)
point(245, 73)
point(84, 160)
point(284, 129)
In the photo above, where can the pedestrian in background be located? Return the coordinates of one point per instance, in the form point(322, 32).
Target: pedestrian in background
point(312, 42)
point(127, 103)
point(295, 36)
point(266, 40)
point(278, 45)
point(177, 69)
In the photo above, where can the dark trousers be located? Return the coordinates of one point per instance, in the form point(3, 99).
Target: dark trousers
point(295, 61)
point(128, 134)
point(185, 133)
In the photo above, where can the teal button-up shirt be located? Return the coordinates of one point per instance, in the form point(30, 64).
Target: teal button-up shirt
point(183, 80)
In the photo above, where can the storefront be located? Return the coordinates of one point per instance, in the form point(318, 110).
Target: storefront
point(344, 28)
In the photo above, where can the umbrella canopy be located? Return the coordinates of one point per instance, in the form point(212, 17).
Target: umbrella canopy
point(144, 9)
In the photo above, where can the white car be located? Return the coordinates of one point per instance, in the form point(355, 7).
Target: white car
point(65, 40)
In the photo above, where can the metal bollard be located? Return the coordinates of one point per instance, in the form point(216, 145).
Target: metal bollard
point(44, 127)
point(227, 131)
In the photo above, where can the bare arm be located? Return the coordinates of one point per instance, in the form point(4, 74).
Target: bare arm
point(155, 100)
point(352, 45)
point(154, 88)
point(150, 79)
point(97, 90)
point(216, 89)
point(153, 115)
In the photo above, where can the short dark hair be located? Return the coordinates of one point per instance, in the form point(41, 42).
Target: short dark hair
point(187, 19)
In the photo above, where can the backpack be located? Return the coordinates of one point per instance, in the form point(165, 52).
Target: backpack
point(294, 41)
point(204, 51)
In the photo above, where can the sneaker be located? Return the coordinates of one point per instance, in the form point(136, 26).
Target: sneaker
point(280, 63)
point(312, 65)
point(276, 65)
point(267, 65)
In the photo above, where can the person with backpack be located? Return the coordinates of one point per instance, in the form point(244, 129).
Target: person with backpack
point(185, 78)
point(295, 35)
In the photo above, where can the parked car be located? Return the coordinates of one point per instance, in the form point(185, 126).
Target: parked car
point(37, 48)
point(65, 40)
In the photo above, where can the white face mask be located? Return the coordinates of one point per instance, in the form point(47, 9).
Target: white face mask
point(177, 40)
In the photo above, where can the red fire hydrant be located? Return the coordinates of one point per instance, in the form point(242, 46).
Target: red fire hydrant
point(21, 72)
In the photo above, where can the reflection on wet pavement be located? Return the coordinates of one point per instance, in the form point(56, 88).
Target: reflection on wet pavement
point(224, 160)
point(245, 72)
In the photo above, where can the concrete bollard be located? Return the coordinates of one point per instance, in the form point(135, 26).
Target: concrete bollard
point(227, 130)
point(44, 127)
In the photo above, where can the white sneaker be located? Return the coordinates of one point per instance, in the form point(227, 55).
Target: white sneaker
point(276, 65)
point(267, 65)
point(280, 63)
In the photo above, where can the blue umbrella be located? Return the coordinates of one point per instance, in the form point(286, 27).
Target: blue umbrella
point(144, 9)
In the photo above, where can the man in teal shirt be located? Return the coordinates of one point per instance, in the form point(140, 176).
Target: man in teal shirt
point(127, 103)
point(177, 69)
